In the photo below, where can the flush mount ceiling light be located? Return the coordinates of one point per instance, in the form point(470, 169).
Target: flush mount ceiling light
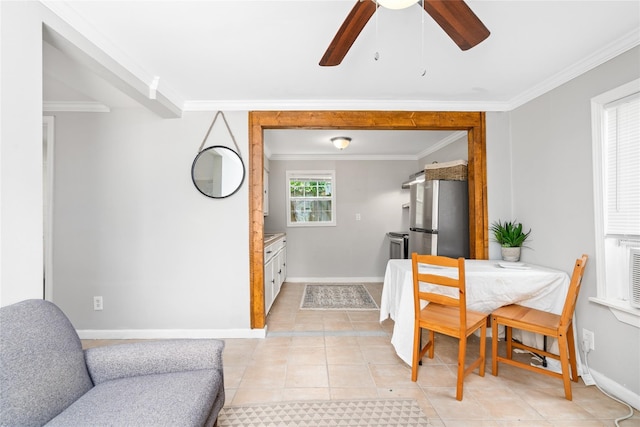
point(341, 142)
point(397, 4)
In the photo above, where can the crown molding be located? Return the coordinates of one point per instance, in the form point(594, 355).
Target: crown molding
point(610, 51)
point(75, 107)
point(339, 157)
point(443, 143)
point(323, 105)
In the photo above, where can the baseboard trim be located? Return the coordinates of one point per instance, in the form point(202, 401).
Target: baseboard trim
point(616, 389)
point(334, 279)
point(128, 334)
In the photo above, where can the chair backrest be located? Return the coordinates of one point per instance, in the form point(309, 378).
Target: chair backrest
point(448, 272)
point(574, 290)
point(42, 365)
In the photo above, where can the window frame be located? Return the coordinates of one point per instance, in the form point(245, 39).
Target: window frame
point(622, 310)
point(311, 175)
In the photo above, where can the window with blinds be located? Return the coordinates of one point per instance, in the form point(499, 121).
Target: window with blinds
point(311, 198)
point(622, 166)
point(616, 157)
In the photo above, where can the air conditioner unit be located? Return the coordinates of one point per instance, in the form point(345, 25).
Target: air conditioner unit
point(634, 277)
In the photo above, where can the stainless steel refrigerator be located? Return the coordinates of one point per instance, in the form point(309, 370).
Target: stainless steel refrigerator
point(439, 218)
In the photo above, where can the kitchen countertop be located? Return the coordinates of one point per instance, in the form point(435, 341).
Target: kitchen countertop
point(272, 237)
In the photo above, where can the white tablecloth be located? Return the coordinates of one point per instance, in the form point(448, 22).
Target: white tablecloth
point(489, 286)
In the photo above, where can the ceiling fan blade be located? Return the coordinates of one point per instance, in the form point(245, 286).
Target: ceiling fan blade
point(348, 32)
point(458, 21)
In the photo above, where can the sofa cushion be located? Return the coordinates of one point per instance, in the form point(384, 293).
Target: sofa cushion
point(172, 399)
point(42, 368)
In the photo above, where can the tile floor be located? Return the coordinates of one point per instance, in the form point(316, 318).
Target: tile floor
point(313, 354)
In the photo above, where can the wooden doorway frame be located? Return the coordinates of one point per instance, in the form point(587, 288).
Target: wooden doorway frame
point(472, 122)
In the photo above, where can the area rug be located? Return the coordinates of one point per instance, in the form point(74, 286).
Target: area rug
point(337, 297)
point(394, 412)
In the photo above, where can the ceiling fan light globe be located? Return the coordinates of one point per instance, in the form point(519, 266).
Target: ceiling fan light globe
point(396, 4)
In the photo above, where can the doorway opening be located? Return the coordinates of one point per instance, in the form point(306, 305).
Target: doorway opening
point(471, 122)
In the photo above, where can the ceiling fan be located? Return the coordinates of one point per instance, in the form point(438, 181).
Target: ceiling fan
point(453, 16)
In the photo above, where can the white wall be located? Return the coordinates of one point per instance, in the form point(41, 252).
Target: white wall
point(352, 249)
point(21, 224)
point(553, 194)
point(130, 226)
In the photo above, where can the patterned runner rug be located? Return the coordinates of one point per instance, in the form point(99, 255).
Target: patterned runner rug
point(337, 297)
point(393, 412)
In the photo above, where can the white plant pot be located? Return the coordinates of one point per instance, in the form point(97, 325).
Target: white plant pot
point(511, 254)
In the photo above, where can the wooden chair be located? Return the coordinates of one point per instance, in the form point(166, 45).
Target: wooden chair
point(548, 324)
point(444, 314)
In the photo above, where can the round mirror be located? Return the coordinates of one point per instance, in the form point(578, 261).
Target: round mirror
point(217, 172)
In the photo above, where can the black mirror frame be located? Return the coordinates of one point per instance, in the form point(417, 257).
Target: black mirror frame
point(244, 172)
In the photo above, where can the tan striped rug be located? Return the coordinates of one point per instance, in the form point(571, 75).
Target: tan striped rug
point(316, 413)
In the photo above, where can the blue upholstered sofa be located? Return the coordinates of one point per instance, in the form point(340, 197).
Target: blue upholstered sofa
point(46, 378)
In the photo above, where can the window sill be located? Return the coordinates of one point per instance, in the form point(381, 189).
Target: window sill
point(623, 311)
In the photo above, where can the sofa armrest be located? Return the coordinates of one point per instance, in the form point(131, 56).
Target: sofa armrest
point(153, 357)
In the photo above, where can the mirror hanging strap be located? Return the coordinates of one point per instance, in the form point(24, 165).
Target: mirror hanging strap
point(228, 128)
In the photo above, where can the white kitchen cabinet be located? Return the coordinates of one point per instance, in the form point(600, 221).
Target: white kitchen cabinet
point(280, 267)
point(269, 284)
point(275, 262)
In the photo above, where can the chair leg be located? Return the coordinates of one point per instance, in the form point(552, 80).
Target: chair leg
point(494, 346)
point(572, 354)
point(508, 333)
point(483, 348)
point(564, 362)
point(462, 349)
point(432, 340)
point(416, 352)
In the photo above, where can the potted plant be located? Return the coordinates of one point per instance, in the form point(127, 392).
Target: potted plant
point(511, 236)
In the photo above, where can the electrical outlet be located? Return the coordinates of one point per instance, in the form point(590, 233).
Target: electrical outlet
point(589, 339)
point(97, 303)
point(358, 217)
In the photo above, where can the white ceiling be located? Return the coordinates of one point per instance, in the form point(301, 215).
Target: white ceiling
point(213, 55)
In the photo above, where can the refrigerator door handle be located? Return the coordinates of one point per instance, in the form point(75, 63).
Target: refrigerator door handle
point(423, 230)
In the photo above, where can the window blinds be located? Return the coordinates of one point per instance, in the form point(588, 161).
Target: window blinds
point(622, 166)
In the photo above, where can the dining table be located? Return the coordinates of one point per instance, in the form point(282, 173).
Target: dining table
point(489, 284)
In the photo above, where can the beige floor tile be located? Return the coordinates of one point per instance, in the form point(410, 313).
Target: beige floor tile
point(341, 341)
point(307, 356)
point(551, 404)
point(233, 375)
point(380, 355)
point(350, 376)
point(303, 376)
point(260, 375)
point(437, 376)
point(308, 393)
point(247, 395)
point(313, 341)
point(346, 355)
point(346, 393)
point(392, 376)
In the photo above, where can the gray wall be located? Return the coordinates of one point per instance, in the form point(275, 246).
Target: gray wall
point(552, 175)
point(351, 249)
point(130, 226)
point(457, 150)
